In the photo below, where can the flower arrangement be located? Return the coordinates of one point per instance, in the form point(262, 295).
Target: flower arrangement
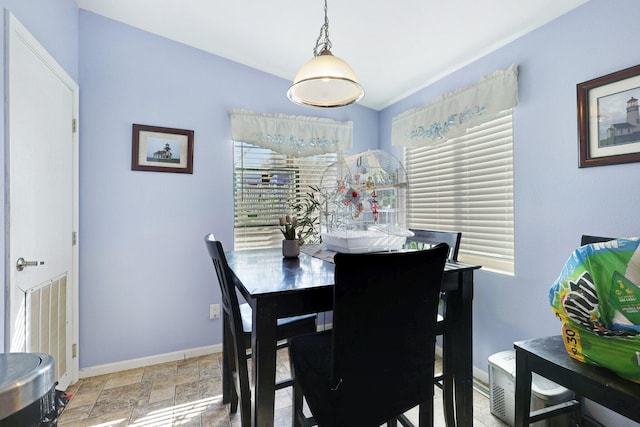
point(288, 226)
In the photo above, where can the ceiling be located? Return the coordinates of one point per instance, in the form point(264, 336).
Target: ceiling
point(395, 48)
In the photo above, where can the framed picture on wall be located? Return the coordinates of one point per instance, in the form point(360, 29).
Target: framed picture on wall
point(160, 149)
point(609, 119)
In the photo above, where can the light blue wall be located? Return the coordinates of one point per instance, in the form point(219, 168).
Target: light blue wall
point(55, 25)
point(146, 281)
point(555, 201)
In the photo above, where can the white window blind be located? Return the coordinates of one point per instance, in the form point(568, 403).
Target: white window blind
point(266, 186)
point(465, 184)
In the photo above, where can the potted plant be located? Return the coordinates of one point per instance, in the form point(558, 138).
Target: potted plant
point(308, 211)
point(291, 243)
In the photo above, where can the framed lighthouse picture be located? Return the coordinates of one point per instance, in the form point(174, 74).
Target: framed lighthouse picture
point(160, 149)
point(609, 119)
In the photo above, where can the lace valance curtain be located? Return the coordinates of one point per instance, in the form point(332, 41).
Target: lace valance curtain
point(450, 115)
point(296, 136)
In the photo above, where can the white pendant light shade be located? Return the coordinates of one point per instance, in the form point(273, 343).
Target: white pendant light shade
point(325, 81)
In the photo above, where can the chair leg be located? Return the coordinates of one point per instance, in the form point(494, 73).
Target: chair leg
point(245, 411)
point(226, 363)
point(297, 411)
point(229, 389)
point(447, 381)
point(233, 399)
point(426, 414)
point(298, 404)
point(403, 420)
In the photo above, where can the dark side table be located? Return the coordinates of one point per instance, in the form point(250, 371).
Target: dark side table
point(548, 357)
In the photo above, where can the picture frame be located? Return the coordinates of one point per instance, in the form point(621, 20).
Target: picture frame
point(161, 149)
point(609, 119)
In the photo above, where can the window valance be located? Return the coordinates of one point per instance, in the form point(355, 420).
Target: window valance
point(451, 114)
point(296, 136)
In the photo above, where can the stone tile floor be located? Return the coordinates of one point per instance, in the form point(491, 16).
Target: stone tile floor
point(188, 393)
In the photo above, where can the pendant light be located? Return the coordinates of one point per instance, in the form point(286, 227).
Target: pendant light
point(326, 80)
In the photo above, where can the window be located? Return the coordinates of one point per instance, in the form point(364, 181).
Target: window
point(266, 186)
point(466, 184)
point(277, 160)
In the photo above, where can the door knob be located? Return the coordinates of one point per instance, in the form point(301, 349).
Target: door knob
point(21, 264)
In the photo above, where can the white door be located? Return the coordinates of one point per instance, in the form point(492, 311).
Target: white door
point(42, 194)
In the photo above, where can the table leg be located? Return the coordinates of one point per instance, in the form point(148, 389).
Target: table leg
point(523, 389)
point(461, 313)
point(263, 344)
point(448, 401)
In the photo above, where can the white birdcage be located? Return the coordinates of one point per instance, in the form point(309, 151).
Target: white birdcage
point(365, 209)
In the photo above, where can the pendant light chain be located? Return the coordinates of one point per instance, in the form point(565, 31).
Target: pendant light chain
point(326, 43)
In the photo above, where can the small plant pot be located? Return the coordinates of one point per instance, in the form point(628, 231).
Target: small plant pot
point(290, 248)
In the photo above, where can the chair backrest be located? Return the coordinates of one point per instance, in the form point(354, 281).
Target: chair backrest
point(586, 239)
point(384, 318)
point(428, 238)
point(226, 279)
point(230, 307)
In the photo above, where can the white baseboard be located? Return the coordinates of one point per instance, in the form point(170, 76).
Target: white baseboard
point(481, 375)
point(123, 365)
point(110, 368)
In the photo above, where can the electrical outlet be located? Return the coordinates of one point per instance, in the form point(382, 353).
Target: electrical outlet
point(214, 311)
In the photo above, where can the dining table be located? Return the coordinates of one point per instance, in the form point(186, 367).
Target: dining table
point(276, 287)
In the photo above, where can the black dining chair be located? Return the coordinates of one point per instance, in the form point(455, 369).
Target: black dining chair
point(237, 326)
point(378, 360)
point(423, 239)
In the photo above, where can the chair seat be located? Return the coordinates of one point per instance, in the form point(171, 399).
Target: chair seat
point(311, 354)
point(287, 327)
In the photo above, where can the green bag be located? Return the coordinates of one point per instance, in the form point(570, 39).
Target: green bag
point(597, 297)
point(617, 353)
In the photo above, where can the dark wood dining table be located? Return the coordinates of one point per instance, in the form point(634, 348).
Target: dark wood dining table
point(277, 287)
